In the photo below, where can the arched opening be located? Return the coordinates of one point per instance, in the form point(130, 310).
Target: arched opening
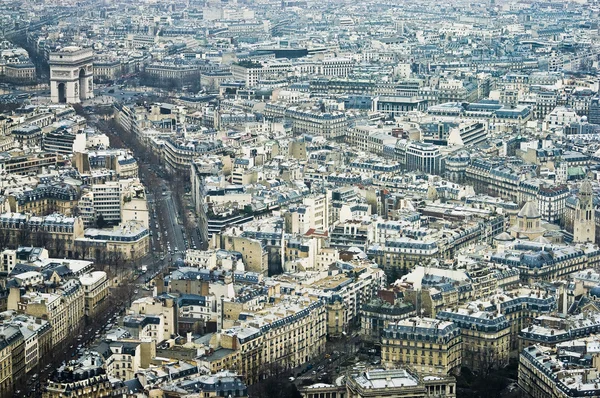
point(82, 85)
point(62, 98)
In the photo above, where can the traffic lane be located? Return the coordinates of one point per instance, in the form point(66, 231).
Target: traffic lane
point(168, 221)
point(177, 236)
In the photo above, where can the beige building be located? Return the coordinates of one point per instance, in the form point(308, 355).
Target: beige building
point(30, 163)
point(276, 338)
point(12, 358)
point(166, 309)
point(95, 287)
point(83, 378)
point(135, 206)
point(485, 337)
point(377, 314)
point(6, 380)
point(20, 72)
point(122, 359)
point(381, 383)
point(59, 230)
point(126, 242)
point(64, 309)
point(37, 334)
point(429, 346)
point(549, 373)
point(254, 256)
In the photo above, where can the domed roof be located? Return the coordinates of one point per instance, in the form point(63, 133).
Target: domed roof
point(530, 210)
point(595, 291)
point(504, 237)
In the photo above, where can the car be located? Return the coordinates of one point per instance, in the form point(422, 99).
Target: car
point(135, 291)
point(314, 372)
point(291, 379)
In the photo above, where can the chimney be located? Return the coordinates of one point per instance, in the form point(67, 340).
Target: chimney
point(189, 337)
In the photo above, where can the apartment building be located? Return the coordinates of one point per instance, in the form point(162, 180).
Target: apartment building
point(84, 377)
point(496, 179)
point(64, 309)
point(178, 73)
point(22, 72)
point(23, 229)
point(107, 199)
point(37, 334)
point(535, 264)
point(398, 383)
point(127, 241)
point(27, 164)
point(64, 142)
point(12, 358)
point(330, 125)
point(6, 374)
point(46, 199)
point(179, 154)
point(548, 372)
point(30, 135)
point(252, 72)
point(549, 331)
point(283, 336)
point(163, 308)
point(468, 133)
point(377, 314)
point(485, 337)
point(396, 105)
point(95, 289)
point(346, 295)
point(122, 358)
point(429, 346)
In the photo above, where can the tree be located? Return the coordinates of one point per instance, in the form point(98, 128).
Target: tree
point(392, 274)
point(100, 222)
point(41, 238)
point(23, 237)
point(59, 246)
point(4, 239)
point(274, 387)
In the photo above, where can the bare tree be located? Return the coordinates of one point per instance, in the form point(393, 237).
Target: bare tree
point(41, 238)
point(59, 246)
point(4, 239)
point(23, 237)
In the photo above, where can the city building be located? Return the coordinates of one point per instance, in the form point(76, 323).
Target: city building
point(429, 346)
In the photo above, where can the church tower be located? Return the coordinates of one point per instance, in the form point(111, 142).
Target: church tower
point(584, 225)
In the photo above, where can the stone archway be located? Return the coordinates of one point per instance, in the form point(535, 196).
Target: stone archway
point(83, 88)
point(62, 95)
